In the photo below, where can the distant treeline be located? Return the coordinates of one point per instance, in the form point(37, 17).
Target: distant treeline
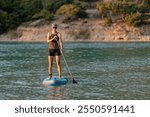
point(14, 12)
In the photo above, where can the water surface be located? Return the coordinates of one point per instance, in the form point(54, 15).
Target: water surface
point(103, 71)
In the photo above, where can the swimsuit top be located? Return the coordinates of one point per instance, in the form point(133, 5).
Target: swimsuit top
point(54, 43)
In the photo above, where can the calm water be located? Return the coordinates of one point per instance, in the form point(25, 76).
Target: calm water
point(103, 71)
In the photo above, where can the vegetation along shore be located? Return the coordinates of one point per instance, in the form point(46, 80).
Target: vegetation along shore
point(78, 20)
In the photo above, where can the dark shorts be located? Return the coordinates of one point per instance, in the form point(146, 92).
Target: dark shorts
point(54, 52)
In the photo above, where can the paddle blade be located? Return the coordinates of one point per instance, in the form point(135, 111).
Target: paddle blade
point(74, 82)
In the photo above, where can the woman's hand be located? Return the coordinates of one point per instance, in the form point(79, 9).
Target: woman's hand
point(48, 38)
point(55, 37)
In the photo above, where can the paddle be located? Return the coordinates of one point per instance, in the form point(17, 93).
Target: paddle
point(73, 80)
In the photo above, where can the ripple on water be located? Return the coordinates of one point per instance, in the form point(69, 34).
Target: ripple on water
point(103, 71)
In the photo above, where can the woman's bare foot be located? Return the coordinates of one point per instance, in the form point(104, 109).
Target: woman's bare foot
point(50, 76)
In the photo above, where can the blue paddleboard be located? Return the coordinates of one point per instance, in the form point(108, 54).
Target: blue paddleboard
point(55, 81)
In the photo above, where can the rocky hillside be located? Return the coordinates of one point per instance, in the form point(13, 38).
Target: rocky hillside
point(82, 30)
point(92, 28)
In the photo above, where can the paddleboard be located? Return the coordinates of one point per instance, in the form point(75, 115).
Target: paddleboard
point(55, 81)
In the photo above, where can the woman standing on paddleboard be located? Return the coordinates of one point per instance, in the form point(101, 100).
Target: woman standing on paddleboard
point(55, 48)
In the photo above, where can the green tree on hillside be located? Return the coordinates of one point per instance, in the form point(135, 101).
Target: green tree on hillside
point(71, 12)
point(53, 5)
point(131, 13)
point(29, 8)
point(13, 12)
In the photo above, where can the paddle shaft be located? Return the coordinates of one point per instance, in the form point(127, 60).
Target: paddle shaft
point(66, 63)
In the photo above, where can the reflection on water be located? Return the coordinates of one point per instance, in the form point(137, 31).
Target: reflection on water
point(55, 93)
point(103, 71)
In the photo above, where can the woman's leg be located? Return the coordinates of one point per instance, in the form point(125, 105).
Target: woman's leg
point(58, 65)
point(50, 64)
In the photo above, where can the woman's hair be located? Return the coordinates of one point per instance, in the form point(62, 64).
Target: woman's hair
point(54, 25)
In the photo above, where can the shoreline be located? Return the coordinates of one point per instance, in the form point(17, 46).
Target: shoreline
point(86, 41)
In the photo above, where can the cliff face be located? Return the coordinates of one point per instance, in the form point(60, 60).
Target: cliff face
point(82, 30)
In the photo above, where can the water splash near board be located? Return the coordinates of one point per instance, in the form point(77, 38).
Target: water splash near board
point(55, 81)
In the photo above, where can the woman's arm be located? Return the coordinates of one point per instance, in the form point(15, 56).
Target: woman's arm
point(48, 35)
point(48, 38)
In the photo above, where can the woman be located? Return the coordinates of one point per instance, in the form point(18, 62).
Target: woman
point(55, 48)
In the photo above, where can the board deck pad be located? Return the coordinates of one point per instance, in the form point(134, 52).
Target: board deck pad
point(55, 81)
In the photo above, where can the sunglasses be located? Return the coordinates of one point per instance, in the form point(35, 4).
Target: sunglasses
point(54, 27)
